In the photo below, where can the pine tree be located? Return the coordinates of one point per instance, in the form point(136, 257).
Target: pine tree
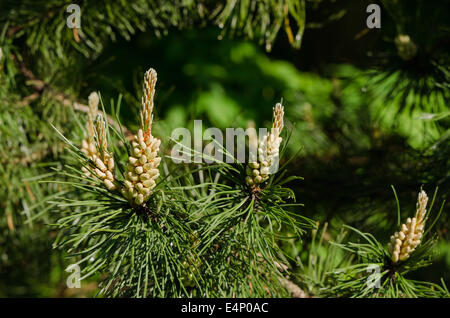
point(87, 176)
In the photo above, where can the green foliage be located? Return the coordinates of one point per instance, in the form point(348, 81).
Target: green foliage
point(387, 278)
point(185, 241)
point(365, 114)
point(323, 257)
point(373, 258)
point(27, 146)
point(263, 19)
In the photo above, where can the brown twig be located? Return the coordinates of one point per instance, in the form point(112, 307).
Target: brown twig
point(39, 86)
point(295, 291)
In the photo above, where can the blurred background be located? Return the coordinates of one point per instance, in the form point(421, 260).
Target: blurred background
point(367, 108)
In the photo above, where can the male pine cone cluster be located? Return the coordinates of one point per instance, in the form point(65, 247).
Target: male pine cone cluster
point(142, 173)
point(95, 145)
point(140, 179)
point(259, 170)
point(405, 241)
point(142, 168)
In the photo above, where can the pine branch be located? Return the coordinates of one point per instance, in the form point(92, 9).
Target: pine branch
point(294, 289)
point(40, 86)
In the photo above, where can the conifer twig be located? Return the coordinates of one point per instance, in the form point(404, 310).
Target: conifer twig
point(39, 86)
point(293, 288)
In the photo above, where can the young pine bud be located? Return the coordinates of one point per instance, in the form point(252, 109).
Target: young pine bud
point(103, 160)
point(405, 241)
point(88, 144)
point(268, 150)
point(143, 165)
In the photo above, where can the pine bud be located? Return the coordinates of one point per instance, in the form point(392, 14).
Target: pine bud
point(95, 145)
point(132, 160)
point(268, 150)
point(143, 165)
point(139, 169)
point(111, 164)
point(104, 160)
point(100, 164)
point(109, 184)
point(405, 241)
point(88, 144)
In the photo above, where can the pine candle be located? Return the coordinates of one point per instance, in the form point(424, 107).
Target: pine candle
point(405, 241)
point(143, 172)
point(95, 145)
point(104, 161)
point(268, 150)
point(88, 143)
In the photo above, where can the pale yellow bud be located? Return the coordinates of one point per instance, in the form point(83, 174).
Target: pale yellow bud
point(143, 165)
point(156, 161)
point(100, 164)
point(139, 186)
point(111, 164)
point(137, 152)
point(140, 136)
point(258, 179)
point(128, 184)
point(139, 199)
point(109, 184)
point(100, 173)
point(143, 159)
point(139, 169)
point(132, 177)
point(408, 238)
point(149, 153)
point(150, 183)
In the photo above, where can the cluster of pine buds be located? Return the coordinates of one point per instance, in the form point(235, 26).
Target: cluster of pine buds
point(258, 171)
point(104, 161)
point(95, 145)
point(405, 241)
point(142, 173)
